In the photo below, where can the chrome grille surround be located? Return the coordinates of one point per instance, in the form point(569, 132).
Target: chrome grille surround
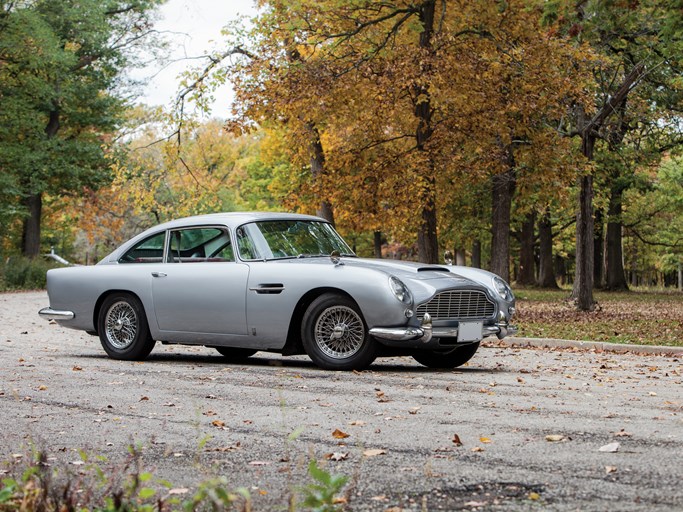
point(458, 305)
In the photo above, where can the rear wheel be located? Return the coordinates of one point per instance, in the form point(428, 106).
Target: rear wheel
point(123, 329)
point(335, 336)
point(234, 353)
point(446, 358)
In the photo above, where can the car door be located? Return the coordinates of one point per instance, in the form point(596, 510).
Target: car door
point(200, 288)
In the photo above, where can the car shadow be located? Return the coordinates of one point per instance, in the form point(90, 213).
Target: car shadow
point(265, 360)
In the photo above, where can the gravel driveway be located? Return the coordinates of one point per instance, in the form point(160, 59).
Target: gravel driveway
point(531, 423)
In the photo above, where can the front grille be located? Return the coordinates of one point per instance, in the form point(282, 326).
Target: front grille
point(458, 305)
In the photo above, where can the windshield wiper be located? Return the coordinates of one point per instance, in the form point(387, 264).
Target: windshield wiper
point(304, 255)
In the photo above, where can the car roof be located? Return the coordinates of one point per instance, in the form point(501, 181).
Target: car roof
point(229, 219)
point(234, 219)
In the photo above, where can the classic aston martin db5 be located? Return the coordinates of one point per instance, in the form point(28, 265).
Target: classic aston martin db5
point(287, 283)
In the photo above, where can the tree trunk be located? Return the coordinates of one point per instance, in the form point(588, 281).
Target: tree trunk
point(30, 236)
point(527, 274)
point(460, 257)
point(598, 249)
point(476, 254)
point(427, 241)
point(546, 266)
point(583, 276)
point(503, 187)
point(317, 170)
point(378, 244)
point(616, 277)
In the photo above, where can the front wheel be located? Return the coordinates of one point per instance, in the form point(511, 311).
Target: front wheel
point(446, 359)
point(335, 336)
point(122, 327)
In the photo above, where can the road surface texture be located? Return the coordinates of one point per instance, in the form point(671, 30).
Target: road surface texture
point(530, 423)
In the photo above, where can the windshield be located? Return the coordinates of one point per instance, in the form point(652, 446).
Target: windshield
point(289, 239)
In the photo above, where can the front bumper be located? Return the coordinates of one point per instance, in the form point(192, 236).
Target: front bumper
point(56, 314)
point(426, 331)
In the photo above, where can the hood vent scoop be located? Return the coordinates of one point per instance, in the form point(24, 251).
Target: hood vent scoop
point(433, 269)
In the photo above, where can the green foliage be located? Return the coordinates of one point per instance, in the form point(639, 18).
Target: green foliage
point(61, 92)
point(41, 487)
point(18, 273)
point(322, 496)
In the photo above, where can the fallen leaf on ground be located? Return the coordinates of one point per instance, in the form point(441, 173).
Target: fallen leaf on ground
point(258, 463)
point(485, 440)
point(77, 369)
point(477, 449)
point(230, 448)
point(357, 423)
point(338, 434)
point(534, 496)
point(180, 490)
point(554, 438)
point(610, 469)
point(218, 423)
point(609, 448)
point(456, 440)
point(337, 456)
point(374, 452)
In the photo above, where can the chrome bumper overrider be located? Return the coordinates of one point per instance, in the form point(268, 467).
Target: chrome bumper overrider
point(426, 331)
point(55, 314)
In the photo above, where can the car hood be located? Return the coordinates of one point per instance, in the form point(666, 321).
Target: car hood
point(406, 269)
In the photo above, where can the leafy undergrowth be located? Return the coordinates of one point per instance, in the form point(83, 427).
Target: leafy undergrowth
point(640, 317)
point(96, 486)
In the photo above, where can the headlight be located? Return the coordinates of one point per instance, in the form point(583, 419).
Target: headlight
point(400, 291)
point(503, 289)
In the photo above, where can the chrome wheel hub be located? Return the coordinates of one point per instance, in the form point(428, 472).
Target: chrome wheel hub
point(339, 332)
point(120, 325)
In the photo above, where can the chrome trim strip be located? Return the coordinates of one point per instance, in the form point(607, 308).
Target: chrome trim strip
point(397, 333)
point(422, 333)
point(56, 314)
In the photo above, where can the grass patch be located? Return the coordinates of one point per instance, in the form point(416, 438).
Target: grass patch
point(644, 317)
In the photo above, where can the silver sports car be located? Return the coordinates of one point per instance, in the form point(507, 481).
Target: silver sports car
point(244, 282)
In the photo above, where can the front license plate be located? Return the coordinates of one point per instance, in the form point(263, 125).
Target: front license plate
point(470, 331)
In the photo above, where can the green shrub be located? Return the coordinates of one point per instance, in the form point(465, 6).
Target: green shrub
point(19, 273)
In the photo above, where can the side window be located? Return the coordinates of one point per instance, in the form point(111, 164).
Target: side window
point(150, 250)
point(245, 244)
point(196, 245)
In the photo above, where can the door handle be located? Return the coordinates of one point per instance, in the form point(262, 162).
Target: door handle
point(158, 274)
point(268, 288)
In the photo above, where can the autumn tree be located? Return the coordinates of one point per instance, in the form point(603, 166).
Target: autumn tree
point(61, 93)
point(638, 42)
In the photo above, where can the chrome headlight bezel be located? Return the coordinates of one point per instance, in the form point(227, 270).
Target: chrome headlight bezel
point(503, 289)
point(400, 291)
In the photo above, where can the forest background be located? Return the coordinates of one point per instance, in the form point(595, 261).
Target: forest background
point(538, 139)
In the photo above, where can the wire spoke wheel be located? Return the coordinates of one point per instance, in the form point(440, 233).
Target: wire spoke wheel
point(121, 325)
point(339, 332)
point(334, 334)
point(123, 329)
